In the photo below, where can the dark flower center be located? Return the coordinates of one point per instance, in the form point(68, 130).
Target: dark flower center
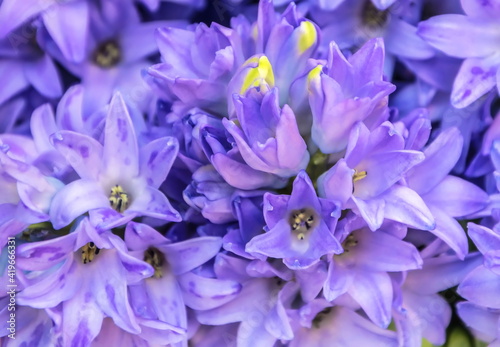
point(118, 199)
point(349, 243)
point(107, 54)
point(303, 221)
point(372, 17)
point(316, 323)
point(156, 259)
point(89, 251)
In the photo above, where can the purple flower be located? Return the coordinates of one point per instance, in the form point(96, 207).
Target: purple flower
point(88, 274)
point(346, 91)
point(471, 37)
point(319, 322)
point(163, 296)
point(300, 226)
point(117, 181)
point(268, 138)
point(366, 179)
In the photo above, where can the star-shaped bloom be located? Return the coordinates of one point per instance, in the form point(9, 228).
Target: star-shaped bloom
point(300, 226)
point(117, 180)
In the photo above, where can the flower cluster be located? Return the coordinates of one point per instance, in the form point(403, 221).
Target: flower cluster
point(325, 173)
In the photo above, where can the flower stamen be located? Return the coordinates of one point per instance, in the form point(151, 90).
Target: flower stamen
point(107, 54)
point(89, 251)
point(118, 199)
point(359, 175)
point(302, 221)
point(156, 259)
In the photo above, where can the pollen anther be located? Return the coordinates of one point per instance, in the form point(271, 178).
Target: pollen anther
point(118, 199)
point(359, 175)
point(156, 259)
point(302, 221)
point(89, 251)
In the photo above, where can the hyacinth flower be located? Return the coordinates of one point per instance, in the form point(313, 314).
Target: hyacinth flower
point(268, 137)
point(300, 226)
point(88, 274)
point(447, 196)
point(163, 296)
point(418, 310)
point(346, 91)
point(115, 51)
point(478, 28)
point(221, 149)
point(321, 324)
point(369, 174)
point(480, 286)
point(261, 306)
point(353, 23)
point(25, 64)
point(117, 180)
point(362, 270)
point(66, 23)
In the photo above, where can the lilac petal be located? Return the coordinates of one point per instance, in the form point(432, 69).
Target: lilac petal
point(42, 125)
point(402, 40)
point(43, 76)
point(378, 251)
point(82, 152)
point(202, 293)
point(14, 13)
point(232, 171)
point(68, 25)
point(440, 158)
point(275, 208)
point(69, 109)
point(432, 322)
point(403, 205)
point(311, 280)
point(450, 231)
point(441, 273)
point(75, 199)
point(481, 287)
point(120, 143)
point(166, 297)
point(372, 211)
point(484, 238)
point(251, 333)
point(457, 197)
point(82, 318)
point(476, 77)
point(480, 8)
point(53, 288)
point(338, 281)
point(98, 87)
point(139, 237)
point(187, 255)
point(106, 218)
point(255, 291)
point(383, 170)
point(277, 322)
point(138, 41)
point(373, 292)
point(275, 243)
point(409, 333)
point(336, 183)
point(13, 76)
point(156, 159)
point(303, 193)
point(136, 270)
point(475, 35)
point(42, 255)
point(153, 203)
point(110, 290)
point(479, 318)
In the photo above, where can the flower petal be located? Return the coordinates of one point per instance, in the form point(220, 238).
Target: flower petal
point(82, 152)
point(481, 287)
point(156, 159)
point(75, 199)
point(187, 255)
point(153, 203)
